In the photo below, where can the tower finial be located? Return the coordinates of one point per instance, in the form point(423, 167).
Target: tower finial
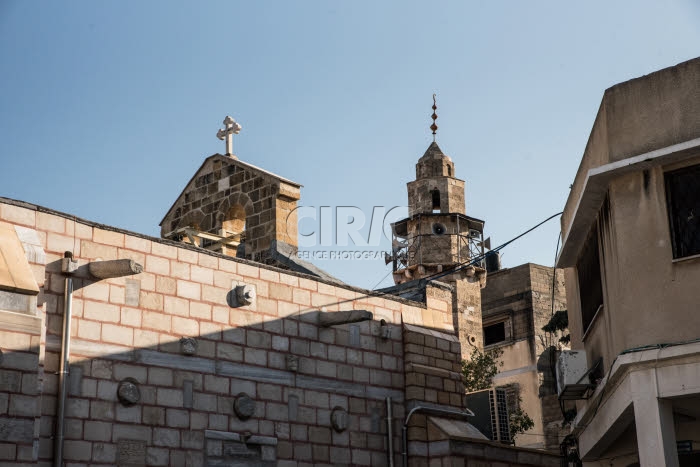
point(434, 127)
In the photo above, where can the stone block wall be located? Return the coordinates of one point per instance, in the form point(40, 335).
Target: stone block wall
point(523, 296)
point(467, 313)
point(20, 388)
point(432, 367)
point(264, 380)
point(221, 184)
point(433, 378)
point(510, 290)
point(21, 343)
point(452, 198)
point(541, 278)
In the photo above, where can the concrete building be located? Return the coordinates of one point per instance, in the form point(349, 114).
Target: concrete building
point(516, 303)
point(631, 249)
point(193, 350)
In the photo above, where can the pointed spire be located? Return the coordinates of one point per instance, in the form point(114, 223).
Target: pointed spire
point(434, 127)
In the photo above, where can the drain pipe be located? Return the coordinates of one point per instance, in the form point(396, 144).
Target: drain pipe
point(438, 411)
point(389, 433)
point(101, 270)
point(68, 267)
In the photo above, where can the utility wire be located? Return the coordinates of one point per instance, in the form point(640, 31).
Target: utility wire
point(477, 259)
point(458, 267)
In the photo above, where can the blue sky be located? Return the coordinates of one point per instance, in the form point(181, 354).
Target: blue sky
point(108, 108)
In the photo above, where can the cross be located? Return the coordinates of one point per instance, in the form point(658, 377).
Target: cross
point(232, 128)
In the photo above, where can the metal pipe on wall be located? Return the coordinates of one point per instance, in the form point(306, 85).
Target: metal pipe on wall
point(63, 372)
point(389, 433)
point(100, 270)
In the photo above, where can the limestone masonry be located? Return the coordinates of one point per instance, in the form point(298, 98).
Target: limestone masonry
point(213, 347)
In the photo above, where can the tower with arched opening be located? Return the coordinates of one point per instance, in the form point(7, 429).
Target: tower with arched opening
point(438, 240)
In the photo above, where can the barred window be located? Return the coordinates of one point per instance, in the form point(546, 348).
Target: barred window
point(683, 201)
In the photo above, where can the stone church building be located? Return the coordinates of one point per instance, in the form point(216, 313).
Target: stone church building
point(216, 346)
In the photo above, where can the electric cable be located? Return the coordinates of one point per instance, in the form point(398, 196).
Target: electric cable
point(458, 267)
point(477, 259)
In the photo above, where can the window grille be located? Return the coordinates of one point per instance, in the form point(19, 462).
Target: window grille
point(683, 200)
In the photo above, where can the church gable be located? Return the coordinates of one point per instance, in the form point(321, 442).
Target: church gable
point(243, 205)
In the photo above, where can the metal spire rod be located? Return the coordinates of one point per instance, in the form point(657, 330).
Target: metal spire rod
point(434, 127)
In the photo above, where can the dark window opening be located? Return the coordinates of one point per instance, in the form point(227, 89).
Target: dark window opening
point(683, 201)
point(495, 333)
point(436, 199)
point(449, 171)
point(589, 278)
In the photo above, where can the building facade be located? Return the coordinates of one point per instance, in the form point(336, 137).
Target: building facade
point(516, 303)
point(122, 349)
point(631, 250)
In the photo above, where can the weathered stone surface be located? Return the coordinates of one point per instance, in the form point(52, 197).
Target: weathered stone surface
point(265, 375)
point(226, 448)
point(16, 429)
point(114, 268)
point(339, 419)
point(132, 292)
point(128, 392)
point(131, 453)
point(334, 318)
point(188, 346)
point(244, 406)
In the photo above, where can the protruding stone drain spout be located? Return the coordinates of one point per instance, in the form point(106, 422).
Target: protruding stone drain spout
point(332, 318)
point(114, 268)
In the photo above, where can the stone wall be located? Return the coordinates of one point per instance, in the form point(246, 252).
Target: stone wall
point(270, 358)
point(167, 367)
point(22, 335)
point(467, 314)
point(223, 183)
point(523, 297)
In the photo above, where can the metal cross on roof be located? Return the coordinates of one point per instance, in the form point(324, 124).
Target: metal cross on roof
point(232, 128)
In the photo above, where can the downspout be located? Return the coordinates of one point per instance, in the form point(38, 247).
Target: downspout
point(68, 267)
point(446, 413)
point(389, 433)
point(100, 270)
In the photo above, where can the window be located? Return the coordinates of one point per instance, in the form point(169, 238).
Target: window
point(589, 280)
point(495, 333)
point(683, 200)
point(436, 200)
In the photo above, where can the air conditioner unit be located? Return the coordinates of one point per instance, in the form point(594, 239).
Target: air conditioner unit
point(572, 377)
point(490, 413)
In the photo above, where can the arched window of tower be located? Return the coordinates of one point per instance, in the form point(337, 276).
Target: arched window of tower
point(449, 171)
point(436, 200)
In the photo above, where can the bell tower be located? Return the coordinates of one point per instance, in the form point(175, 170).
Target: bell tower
point(438, 237)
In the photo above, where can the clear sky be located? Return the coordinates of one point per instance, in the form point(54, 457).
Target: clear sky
point(108, 108)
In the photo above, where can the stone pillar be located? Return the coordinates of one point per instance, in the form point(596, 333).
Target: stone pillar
point(466, 313)
point(656, 434)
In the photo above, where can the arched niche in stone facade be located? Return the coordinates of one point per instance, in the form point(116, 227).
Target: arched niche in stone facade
point(235, 216)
